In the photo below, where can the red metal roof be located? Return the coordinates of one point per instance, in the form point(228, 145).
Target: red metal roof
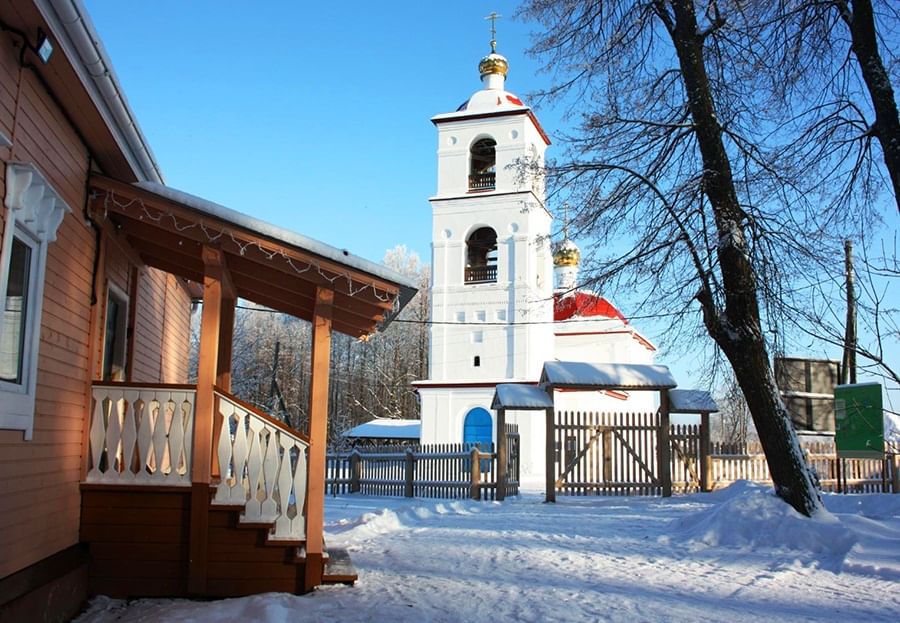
point(584, 305)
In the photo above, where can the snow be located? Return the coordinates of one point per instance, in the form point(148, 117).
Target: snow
point(518, 396)
point(384, 428)
point(606, 375)
point(691, 401)
point(738, 554)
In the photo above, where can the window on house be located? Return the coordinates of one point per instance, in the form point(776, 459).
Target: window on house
point(33, 214)
point(115, 340)
point(16, 327)
point(481, 256)
point(482, 164)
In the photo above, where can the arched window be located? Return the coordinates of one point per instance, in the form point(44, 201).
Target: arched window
point(482, 164)
point(481, 256)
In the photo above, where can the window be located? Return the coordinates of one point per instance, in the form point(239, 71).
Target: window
point(481, 256)
point(33, 214)
point(115, 339)
point(16, 328)
point(482, 164)
point(476, 362)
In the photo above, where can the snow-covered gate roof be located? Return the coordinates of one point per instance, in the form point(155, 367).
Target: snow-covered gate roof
point(592, 376)
point(691, 401)
point(520, 397)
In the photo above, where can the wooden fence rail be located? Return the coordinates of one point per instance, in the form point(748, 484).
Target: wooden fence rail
point(451, 471)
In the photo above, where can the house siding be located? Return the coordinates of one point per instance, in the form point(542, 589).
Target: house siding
point(40, 498)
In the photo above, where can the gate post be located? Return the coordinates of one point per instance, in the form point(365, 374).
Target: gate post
point(550, 450)
point(502, 462)
point(410, 473)
point(355, 471)
point(705, 461)
point(664, 445)
point(475, 479)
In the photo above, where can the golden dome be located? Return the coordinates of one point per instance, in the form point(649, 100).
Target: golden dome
point(567, 254)
point(493, 63)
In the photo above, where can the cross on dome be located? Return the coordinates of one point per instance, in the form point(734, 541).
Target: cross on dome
point(494, 16)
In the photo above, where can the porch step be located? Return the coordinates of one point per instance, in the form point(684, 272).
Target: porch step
point(339, 568)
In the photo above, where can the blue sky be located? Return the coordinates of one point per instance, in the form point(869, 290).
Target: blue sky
point(313, 116)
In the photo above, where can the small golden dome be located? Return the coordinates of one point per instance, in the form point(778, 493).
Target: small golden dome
point(493, 63)
point(567, 254)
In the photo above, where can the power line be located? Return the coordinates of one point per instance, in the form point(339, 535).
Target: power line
point(476, 323)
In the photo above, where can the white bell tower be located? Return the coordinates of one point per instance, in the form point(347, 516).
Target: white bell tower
point(492, 272)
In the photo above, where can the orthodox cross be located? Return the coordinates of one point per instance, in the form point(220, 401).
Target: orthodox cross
point(565, 221)
point(494, 16)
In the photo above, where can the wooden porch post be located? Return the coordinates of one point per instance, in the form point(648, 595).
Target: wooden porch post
point(94, 348)
point(502, 476)
point(226, 338)
point(210, 323)
point(705, 461)
point(664, 445)
point(318, 437)
point(550, 463)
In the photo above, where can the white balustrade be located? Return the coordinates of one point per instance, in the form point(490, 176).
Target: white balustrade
point(263, 468)
point(141, 435)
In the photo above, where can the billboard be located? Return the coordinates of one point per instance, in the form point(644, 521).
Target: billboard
point(807, 387)
point(859, 421)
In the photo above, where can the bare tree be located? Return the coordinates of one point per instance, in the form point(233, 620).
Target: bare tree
point(664, 155)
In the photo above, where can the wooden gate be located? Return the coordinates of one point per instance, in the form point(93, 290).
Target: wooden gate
point(619, 454)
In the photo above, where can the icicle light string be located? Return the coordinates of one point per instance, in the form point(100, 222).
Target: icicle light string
point(213, 235)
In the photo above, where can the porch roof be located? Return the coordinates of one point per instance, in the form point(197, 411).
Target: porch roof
point(593, 376)
point(268, 265)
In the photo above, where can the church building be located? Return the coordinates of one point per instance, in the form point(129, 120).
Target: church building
point(503, 302)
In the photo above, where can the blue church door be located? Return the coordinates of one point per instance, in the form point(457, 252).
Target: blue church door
point(478, 428)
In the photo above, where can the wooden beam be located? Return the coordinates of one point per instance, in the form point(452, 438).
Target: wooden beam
point(705, 460)
point(664, 445)
point(204, 418)
point(549, 453)
point(502, 476)
point(226, 342)
point(318, 437)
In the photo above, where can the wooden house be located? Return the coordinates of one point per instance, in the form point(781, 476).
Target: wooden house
point(116, 475)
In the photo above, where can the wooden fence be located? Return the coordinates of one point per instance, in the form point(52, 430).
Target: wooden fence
point(451, 471)
point(628, 454)
point(730, 462)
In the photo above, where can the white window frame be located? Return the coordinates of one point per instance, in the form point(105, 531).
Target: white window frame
point(34, 211)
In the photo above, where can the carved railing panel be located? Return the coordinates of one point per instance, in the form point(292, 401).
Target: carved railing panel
point(263, 467)
point(141, 435)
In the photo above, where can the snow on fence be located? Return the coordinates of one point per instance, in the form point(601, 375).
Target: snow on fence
point(730, 462)
point(429, 471)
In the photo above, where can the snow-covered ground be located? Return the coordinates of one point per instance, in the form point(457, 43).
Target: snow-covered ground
point(734, 555)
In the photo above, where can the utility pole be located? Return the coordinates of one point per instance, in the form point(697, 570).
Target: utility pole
point(848, 364)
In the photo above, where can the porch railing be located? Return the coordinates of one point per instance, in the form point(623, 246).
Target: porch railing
point(141, 434)
point(263, 467)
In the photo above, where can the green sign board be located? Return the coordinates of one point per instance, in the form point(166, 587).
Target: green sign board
point(859, 423)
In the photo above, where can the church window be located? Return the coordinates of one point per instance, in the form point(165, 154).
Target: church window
point(481, 256)
point(482, 164)
point(477, 337)
point(480, 315)
point(476, 362)
point(460, 316)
